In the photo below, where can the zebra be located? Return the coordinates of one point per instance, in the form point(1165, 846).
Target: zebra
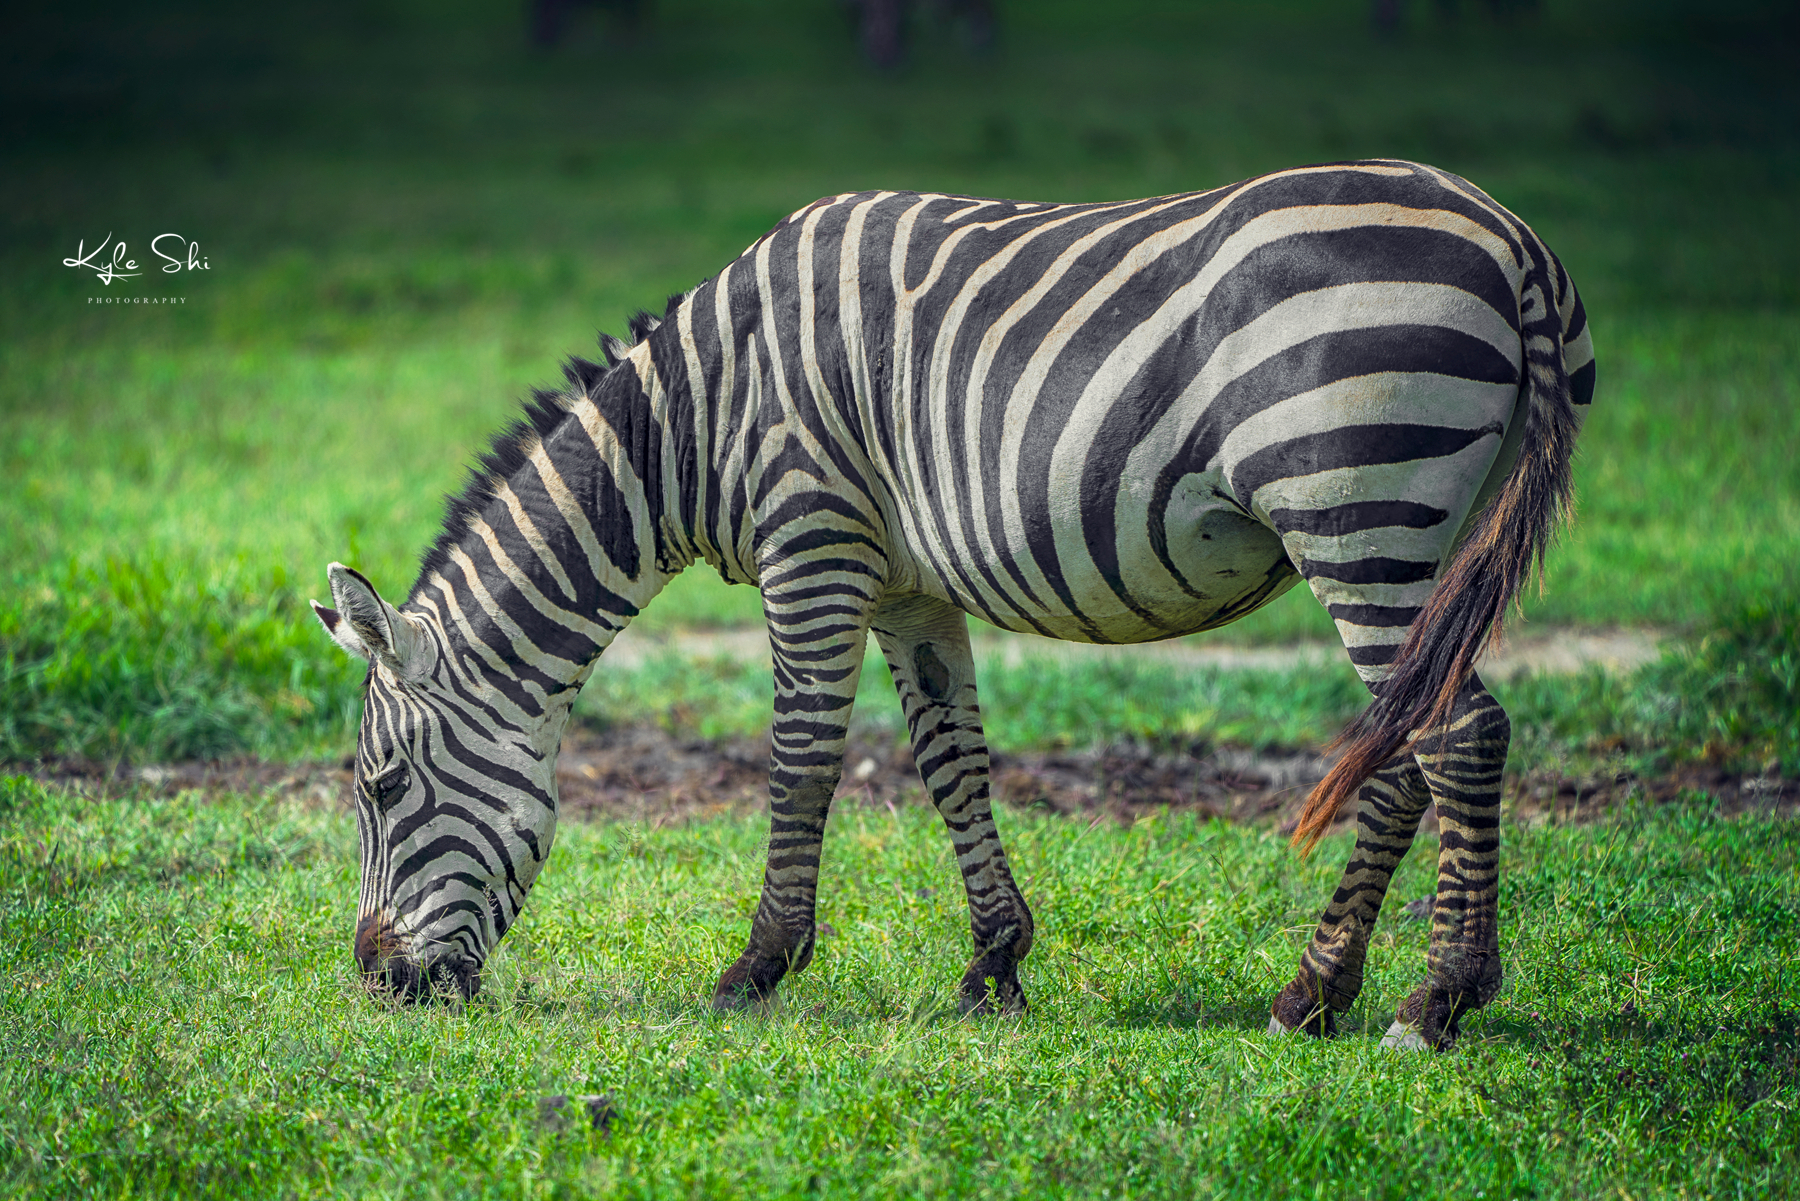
point(1105, 422)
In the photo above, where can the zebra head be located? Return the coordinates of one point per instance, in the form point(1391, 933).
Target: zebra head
point(455, 808)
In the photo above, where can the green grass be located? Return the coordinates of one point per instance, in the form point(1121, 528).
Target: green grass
point(290, 457)
point(181, 1016)
point(1033, 704)
point(128, 660)
point(1732, 697)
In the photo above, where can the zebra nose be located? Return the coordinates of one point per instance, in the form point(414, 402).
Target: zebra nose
point(383, 960)
point(385, 964)
point(376, 942)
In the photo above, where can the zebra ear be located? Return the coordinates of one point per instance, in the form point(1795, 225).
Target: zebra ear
point(365, 625)
point(340, 630)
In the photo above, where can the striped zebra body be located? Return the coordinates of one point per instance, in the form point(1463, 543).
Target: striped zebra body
point(1107, 423)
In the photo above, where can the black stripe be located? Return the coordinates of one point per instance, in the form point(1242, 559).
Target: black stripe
point(436, 886)
point(1396, 616)
point(1581, 385)
point(1577, 322)
point(1352, 446)
point(1355, 517)
point(590, 481)
point(438, 848)
point(1376, 569)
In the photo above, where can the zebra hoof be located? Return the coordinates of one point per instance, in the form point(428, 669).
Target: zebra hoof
point(1402, 1036)
point(734, 1001)
point(1276, 1029)
point(990, 996)
point(986, 1007)
point(1296, 1011)
point(1428, 1020)
point(747, 983)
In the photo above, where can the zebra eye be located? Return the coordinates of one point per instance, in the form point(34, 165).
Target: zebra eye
point(390, 785)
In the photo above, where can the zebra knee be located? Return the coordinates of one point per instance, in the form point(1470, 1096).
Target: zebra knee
point(1476, 721)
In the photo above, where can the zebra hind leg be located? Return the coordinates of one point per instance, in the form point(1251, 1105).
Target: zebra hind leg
point(817, 662)
point(1374, 538)
point(1331, 968)
point(926, 644)
point(1463, 761)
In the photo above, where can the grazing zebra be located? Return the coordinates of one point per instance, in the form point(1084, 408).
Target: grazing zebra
point(1101, 422)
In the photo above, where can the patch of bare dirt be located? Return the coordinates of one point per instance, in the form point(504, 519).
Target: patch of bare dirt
point(646, 774)
point(643, 773)
point(321, 783)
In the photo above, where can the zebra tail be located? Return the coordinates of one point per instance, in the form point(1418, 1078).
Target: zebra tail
point(1463, 615)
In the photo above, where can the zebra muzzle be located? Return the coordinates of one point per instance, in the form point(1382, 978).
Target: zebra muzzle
point(388, 968)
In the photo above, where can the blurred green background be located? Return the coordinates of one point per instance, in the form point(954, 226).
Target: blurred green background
point(410, 214)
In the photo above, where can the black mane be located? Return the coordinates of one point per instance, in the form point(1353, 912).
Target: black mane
point(511, 447)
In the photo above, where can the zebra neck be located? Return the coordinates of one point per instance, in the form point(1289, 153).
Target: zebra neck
point(571, 545)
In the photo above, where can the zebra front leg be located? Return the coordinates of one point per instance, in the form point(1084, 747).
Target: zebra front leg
point(817, 661)
point(1331, 969)
point(1463, 763)
point(926, 644)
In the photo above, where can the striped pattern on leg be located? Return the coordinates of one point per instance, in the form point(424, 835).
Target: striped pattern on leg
point(817, 643)
point(1463, 763)
point(1331, 969)
point(926, 644)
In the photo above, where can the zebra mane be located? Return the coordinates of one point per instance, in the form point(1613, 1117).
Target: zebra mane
point(511, 448)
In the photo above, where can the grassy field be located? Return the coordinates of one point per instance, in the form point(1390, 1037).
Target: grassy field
point(410, 218)
point(148, 674)
point(181, 1016)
